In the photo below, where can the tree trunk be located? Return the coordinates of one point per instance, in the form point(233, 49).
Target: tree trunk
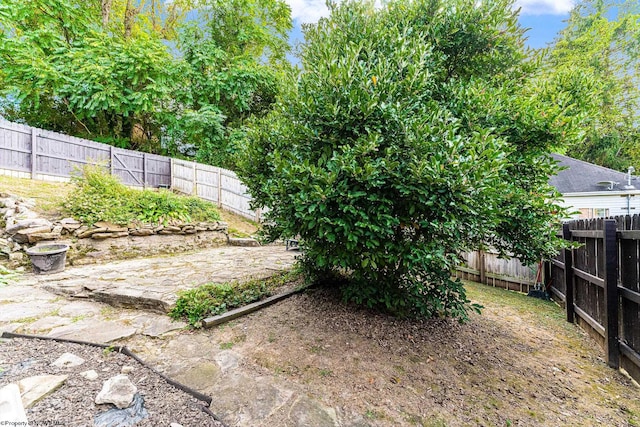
point(129, 18)
point(106, 10)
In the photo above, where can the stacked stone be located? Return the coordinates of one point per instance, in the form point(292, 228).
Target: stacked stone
point(106, 230)
point(24, 227)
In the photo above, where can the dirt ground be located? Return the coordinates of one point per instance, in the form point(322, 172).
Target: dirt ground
point(517, 364)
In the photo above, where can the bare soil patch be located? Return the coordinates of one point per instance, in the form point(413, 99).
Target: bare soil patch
point(519, 363)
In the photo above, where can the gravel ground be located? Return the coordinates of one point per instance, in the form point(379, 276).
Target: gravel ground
point(73, 403)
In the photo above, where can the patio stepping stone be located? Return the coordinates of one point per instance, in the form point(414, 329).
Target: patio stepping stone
point(33, 389)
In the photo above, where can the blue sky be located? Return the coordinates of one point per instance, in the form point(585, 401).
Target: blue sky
point(543, 17)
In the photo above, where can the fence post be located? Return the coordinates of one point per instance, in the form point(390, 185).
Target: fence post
point(220, 187)
point(483, 267)
point(34, 154)
point(194, 190)
point(546, 278)
point(611, 292)
point(568, 274)
point(111, 165)
point(144, 170)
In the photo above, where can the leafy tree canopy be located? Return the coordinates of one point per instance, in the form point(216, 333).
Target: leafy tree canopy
point(179, 77)
point(415, 132)
point(596, 60)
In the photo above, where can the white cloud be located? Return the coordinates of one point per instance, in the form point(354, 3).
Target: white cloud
point(305, 11)
point(545, 7)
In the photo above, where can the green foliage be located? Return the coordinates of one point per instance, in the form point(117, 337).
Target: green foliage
point(212, 299)
point(416, 131)
point(596, 61)
point(6, 275)
point(99, 196)
point(165, 84)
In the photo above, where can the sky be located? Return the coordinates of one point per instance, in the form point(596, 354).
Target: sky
point(544, 18)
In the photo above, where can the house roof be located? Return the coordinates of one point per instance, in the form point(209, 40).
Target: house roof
point(584, 177)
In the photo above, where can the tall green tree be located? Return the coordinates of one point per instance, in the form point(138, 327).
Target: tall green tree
point(597, 58)
point(232, 59)
point(415, 132)
point(139, 75)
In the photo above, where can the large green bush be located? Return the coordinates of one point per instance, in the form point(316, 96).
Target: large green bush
point(99, 196)
point(415, 132)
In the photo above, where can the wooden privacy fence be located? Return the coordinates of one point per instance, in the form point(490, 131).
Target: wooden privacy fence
point(42, 154)
point(211, 183)
point(486, 267)
point(29, 152)
point(599, 285)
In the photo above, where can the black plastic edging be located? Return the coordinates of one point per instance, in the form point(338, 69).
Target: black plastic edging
point(124, 350)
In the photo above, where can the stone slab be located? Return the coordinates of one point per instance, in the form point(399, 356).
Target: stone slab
point(33, 389)
point(152, 283)
point(227, 360)
point(94, 331)
point(245, 401)
point(11, 408)
point(49, 322)
point(156, 325)
point(19, 311)
point(236, 241)
point(79, 309)
point(199, 376)
point(308, 413)
point(67, 360)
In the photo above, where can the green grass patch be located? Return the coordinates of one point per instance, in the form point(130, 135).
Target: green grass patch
point(212, 299)
point(99, 196)
point(543, 312)
point(6, 275)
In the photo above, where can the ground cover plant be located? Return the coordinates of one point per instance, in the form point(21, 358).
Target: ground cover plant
point(416, 131)
point(211, 299)
point(99, 196)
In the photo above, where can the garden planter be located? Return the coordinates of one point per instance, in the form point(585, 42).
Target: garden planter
point(48, 259)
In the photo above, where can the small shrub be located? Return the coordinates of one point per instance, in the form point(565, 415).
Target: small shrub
point(99, 196)
point(216, 298)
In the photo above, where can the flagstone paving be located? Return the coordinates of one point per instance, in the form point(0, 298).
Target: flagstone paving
point(73, 305)
point(86, 302)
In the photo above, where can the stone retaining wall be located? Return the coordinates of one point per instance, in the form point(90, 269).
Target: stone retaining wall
point(22, 228)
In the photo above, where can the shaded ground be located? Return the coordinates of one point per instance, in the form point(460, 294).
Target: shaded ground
point(313, 361)
point(517, 364)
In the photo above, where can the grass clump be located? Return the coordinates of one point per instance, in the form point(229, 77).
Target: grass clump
point(212, 299)
point(99, 196)
point(6, 275)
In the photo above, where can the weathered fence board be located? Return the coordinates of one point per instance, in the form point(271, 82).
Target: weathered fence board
point(600, 281)
point(15, 147)
point(45, 155)
point(215, 184)
point(488, 268)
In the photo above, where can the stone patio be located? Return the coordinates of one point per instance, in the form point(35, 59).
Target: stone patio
point(125, 302)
